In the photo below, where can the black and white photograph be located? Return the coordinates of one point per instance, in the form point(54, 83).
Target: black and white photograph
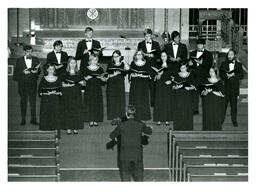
point(127, 94)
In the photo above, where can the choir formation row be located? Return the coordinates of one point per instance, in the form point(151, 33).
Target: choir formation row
point(170, 80)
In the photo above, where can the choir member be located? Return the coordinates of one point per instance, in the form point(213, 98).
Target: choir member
point(140, 74)
point(183, 83)
point(71, 100)
point(86, 47)
point(176, 51)
point(163, 109)
point(166, 39)
point(93, 100)
point(212, 101)
point(200, 62)
point(151, 50)
point(58, 57)
point(116, 70)
point(231, 72)
point(49, 91)
point(26, 72)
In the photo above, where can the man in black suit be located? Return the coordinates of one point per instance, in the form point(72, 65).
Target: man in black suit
point(152, 51)
point(200, 63)
point(58, 57)
point(231, 72)
point(176, 51)
point(26, 73)
point(131, 150)
point(86, 47)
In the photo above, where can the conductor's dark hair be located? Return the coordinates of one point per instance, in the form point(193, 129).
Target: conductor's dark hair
point(118, 52)
point(88, 29)
point(175, 34)
point(147, 31)
point(58, 43)
point(27, 47)
point(47, 66)
point(131, 110)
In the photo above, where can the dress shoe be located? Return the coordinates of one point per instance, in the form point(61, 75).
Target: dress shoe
point(166, 123)
point(196, 112)
point(34, 122)
point(235, 124)
point(95, 123)
point(91, 124)
point(68, 132)
point(75, 131)
point(158, 123)
point(23, 122)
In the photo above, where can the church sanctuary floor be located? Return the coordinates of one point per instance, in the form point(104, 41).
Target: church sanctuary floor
point(83, 157)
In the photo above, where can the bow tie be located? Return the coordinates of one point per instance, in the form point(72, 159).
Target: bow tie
point(29, 57)
point(232, 62)
point(175, 44)
point(148, 42)
point(88, 40)
point(200, 51)
point(58, 52)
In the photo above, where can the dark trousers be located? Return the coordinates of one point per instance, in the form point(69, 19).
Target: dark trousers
point(232, 99)
point(28, 94)
point(152, 91)
point(195, 99)
point(131, 169)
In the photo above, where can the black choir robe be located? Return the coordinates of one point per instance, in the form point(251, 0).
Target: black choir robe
point(182, 52)
point(93, 99)
point(85, 57)
point(183, 107)
point(164, 100)
point(212, 107)
point(71, 103)
point(51, 58)
point(139, 92)
point(115, 92)
point(49, 106)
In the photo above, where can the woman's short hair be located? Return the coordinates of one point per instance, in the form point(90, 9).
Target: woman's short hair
point(167, 35)
point(135, 55)
point(71, 58)
point(47, 66)
point(92, 56)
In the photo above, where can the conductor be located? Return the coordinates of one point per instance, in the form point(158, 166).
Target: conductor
point(131, 150)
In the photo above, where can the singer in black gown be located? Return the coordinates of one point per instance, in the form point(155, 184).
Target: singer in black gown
point(212, 106)
point(139, 90)
point(115, 91)
point(164, 104)
point(93, 99)
point(183, 106)
point(49, 106)
point(71, 103)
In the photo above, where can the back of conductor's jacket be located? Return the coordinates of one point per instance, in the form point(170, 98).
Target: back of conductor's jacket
point(130, 133)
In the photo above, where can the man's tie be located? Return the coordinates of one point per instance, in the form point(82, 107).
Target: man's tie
point(58, 52)
point(200, 51)
point(88, 40)
point(175, 44)
point(148, 42)
point(28, 57)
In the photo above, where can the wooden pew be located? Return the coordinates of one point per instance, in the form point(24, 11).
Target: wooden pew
point(33, 156)
point(206, 144)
